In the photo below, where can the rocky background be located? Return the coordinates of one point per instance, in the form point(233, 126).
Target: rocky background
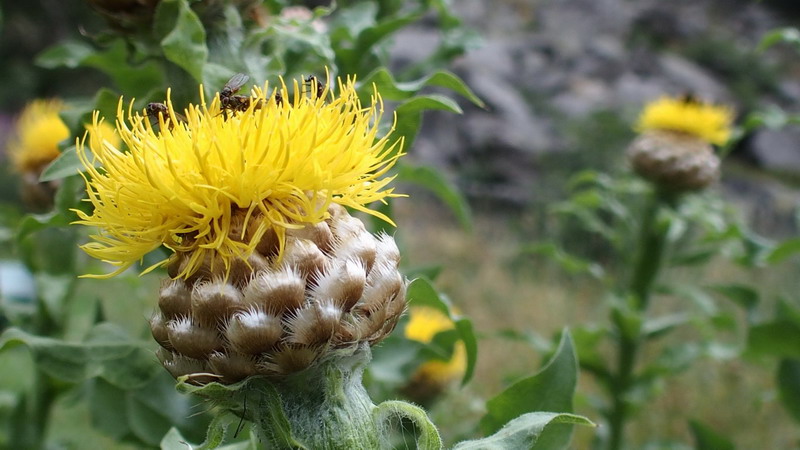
point(564, 79)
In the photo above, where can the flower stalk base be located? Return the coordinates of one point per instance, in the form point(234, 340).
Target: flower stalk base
point(323, 407)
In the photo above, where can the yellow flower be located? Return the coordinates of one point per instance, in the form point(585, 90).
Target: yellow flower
point(425, 323)
point(195, 186)
point(39, 130)
point(708, 122)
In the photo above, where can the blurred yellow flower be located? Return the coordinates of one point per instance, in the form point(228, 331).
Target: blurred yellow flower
point(38, 132)
point(425, 323)
point(708, 122)
point(196, 185)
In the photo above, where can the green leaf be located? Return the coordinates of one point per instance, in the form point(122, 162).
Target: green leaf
point(744, 296)
point(185, 43)
point(781, 35)
point(409, 115)
point(657, 327)
point(783, 251)
point(428, 436)
point(66, 164)
point(588, 341)
point(524, 432)
point(570, 263)
point(215, 436)
point(70, 54)
point(780, 338)
point(134, 79)
point(391, 89)
point(705, 438)
point(435, 181)
point(108, 353)
point(789, 386)
point(551, 389)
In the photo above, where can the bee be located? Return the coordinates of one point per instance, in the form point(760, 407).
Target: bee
point(313, 81)
point(154, 110)
point(228, 97)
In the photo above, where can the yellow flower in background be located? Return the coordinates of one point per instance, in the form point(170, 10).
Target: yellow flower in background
point(708, 122)
point(38, 133)
point(424, 323)
point(210, 187)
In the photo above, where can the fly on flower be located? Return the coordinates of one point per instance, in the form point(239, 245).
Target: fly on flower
point(230, 100)
point(158, 112)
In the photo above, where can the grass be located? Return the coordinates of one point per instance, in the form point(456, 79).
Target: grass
point(487, 280)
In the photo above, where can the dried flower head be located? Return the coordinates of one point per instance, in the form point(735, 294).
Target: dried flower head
point(711, 123)
point(222, 184)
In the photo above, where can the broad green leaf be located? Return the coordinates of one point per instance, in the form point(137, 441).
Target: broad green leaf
point(744, 296)
point(789, 386)
point(65, 165)
point(185, 43)
point(134, 79)
point(421, 292)
point(108, 353)
point(523, 432)
point(706, 439)
point(551, 389)
point(70, 54)
point(783, 251)
point(435, 181)
point(780, 338)
point(409, 115)
point(391, 89)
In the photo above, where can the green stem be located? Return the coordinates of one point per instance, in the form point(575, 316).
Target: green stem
point(29, 427)
point(324, 407)
point(651, 248)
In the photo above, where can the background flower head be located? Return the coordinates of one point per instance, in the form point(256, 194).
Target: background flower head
point(38, 132)
point(711, 123)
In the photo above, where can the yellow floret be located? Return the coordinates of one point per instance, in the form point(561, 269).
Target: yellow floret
point(38, 132)
point(180, 183)
point(425, 323)
point(710, 123)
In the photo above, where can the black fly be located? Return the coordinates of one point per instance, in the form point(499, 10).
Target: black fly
point(313, 82)
point(154, 110)
point(228, 97)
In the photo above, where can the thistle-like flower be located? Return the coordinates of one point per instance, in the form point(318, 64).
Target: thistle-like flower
point(674, 149)
point(38, 132)
point(432, 377)
point(269, 271)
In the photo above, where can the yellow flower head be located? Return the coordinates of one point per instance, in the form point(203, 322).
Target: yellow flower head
point(425, 323)
point(709, 122)
point(39, 130)
point(195, 184)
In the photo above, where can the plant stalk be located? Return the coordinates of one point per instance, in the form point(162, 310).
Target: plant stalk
point(651, 248)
